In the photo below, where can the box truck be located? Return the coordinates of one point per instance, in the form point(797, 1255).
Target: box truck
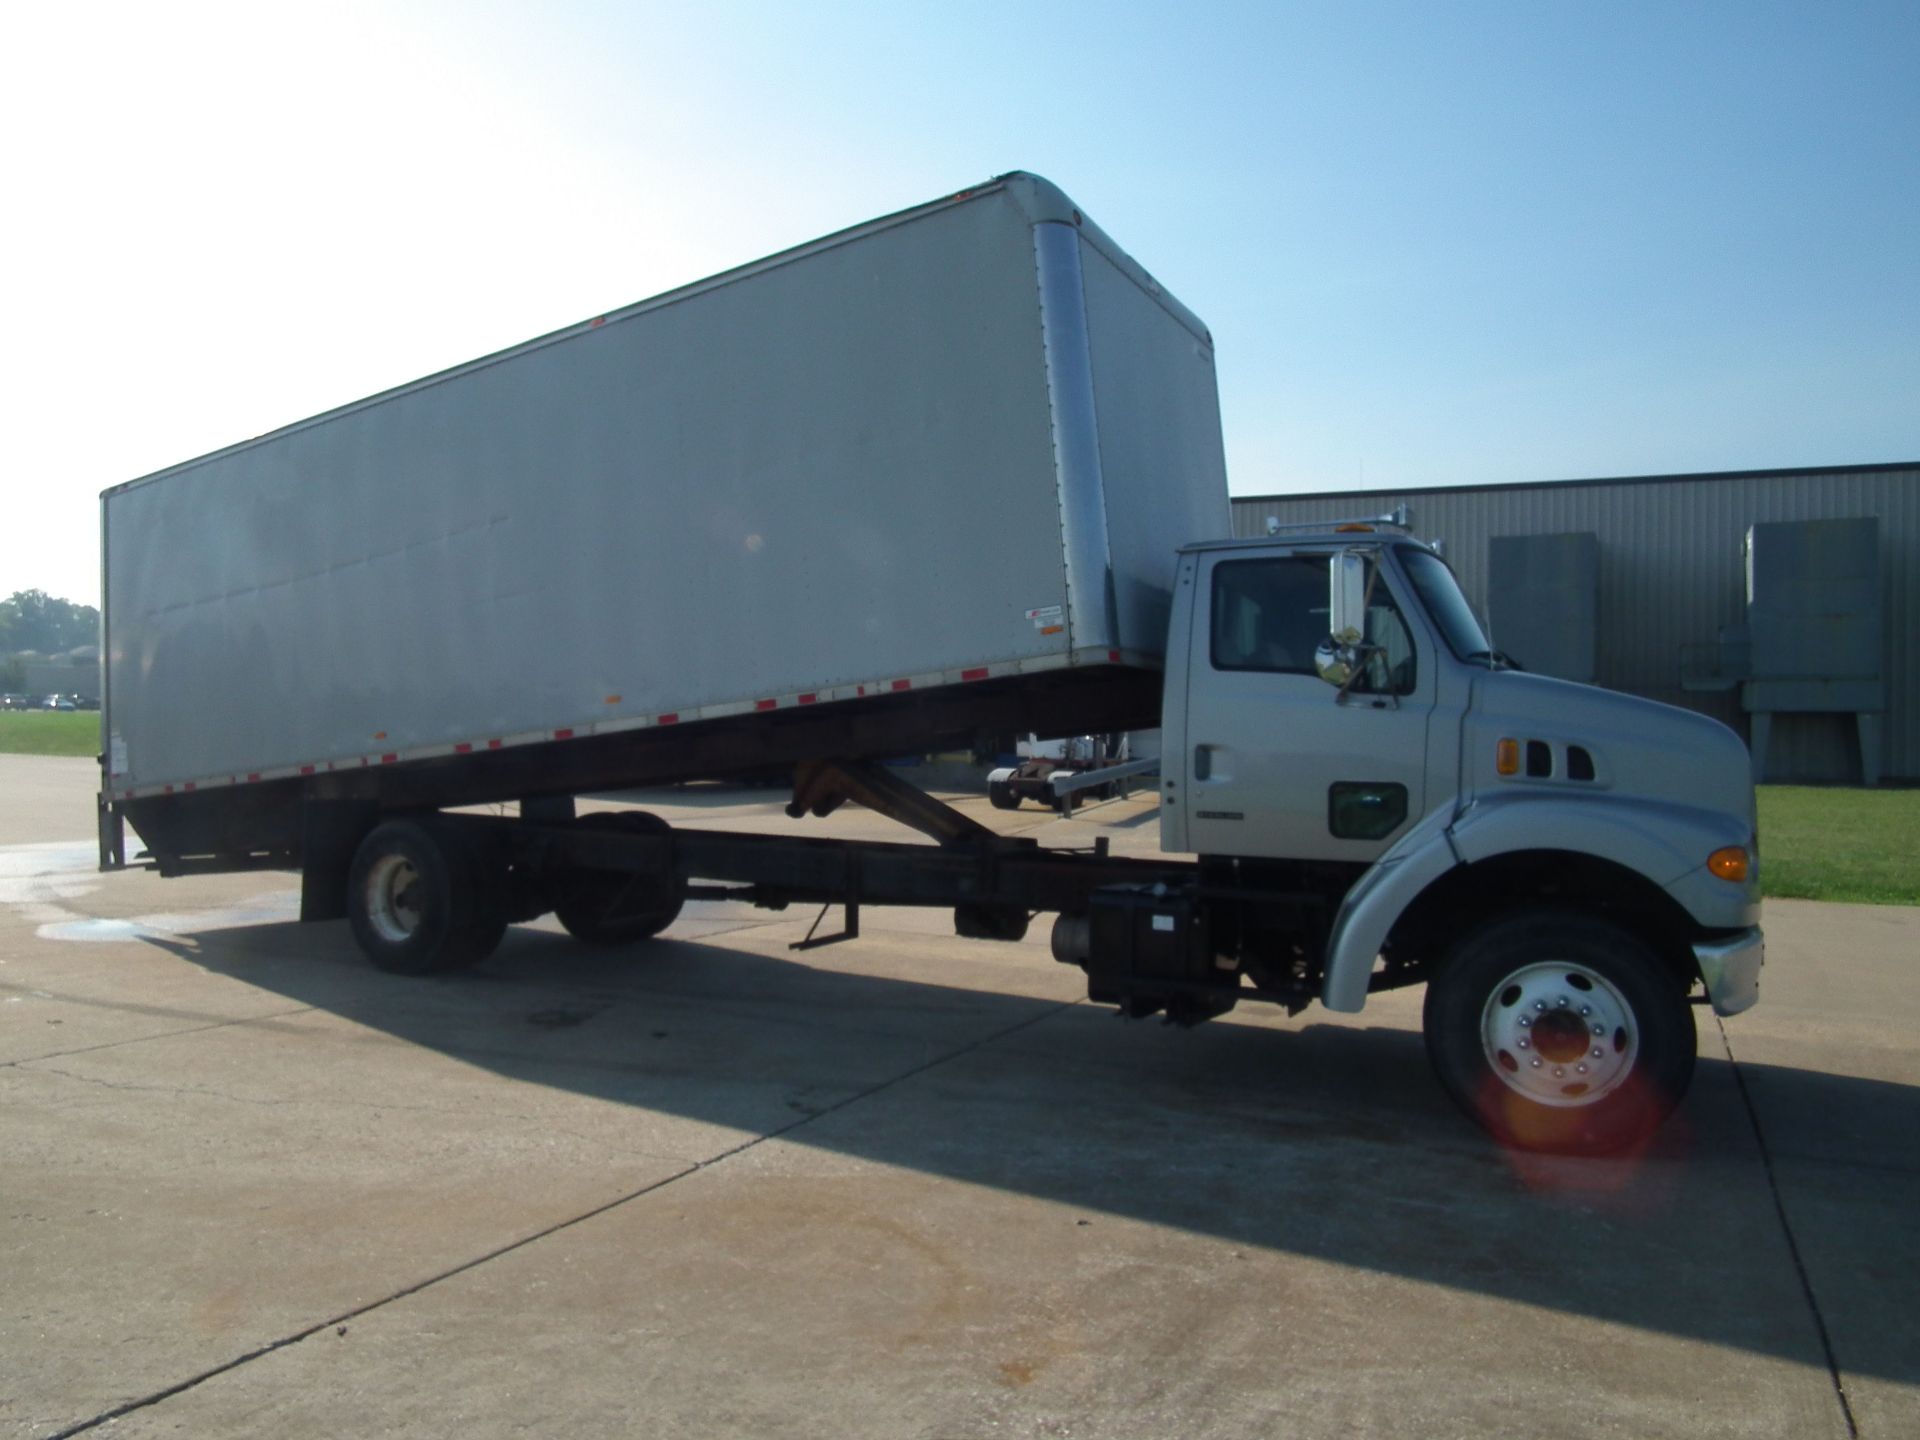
point(952, 474)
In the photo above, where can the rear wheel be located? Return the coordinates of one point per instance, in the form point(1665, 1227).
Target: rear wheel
point(418, 899)
point(610, 907)
point(989, 922)
point(1560, 1032)
point(1001, 793)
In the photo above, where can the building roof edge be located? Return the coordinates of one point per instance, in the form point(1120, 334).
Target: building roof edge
point(1876, 468)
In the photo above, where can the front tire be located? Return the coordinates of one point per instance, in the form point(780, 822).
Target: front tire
point(1560, 1032)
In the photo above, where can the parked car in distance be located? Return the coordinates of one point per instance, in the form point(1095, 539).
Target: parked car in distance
point(57, 702)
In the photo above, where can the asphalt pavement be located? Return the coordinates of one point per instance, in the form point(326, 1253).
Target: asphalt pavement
point(908, 1186)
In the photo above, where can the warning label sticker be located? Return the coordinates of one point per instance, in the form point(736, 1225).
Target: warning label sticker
point(1046, 615)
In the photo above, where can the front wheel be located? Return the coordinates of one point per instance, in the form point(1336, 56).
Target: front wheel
point(1560, 1032)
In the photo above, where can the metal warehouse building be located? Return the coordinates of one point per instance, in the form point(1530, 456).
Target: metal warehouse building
point(1778, 601)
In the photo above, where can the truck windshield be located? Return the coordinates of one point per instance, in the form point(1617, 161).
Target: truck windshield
point(1440, 593)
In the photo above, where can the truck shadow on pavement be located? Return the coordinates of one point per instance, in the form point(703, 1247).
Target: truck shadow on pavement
point(1330, 1141)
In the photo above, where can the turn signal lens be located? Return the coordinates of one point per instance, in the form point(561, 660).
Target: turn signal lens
point(1730, 863)
point(1506, 757)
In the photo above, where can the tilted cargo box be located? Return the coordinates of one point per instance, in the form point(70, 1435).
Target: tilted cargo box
point(952, 448)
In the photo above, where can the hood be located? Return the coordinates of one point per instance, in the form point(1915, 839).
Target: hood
point(1586, 738)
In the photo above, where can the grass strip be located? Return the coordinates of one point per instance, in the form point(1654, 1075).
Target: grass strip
point(1835, 844)
point(50, 732)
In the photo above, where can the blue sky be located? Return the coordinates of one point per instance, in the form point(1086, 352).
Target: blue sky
point(1436, 244)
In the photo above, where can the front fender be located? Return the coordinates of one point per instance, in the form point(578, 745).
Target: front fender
point(1366, 916)
point(1666, 843)
point(1658, 839)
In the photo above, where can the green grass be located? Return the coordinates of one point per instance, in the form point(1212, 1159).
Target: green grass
point(1859, 845)
point(50, 732)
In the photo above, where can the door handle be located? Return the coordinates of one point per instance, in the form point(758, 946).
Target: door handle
point(1203, 762)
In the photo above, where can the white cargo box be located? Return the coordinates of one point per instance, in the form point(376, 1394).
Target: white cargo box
point(957, 443)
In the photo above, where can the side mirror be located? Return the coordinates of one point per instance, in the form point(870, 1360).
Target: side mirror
point(1347, 597)
point(1338, 657)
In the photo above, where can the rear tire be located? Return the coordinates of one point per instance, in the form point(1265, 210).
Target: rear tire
point(989, 922)
point(607, 907)
point(1560, 1032)
point(1002, 796)
point(419, 901)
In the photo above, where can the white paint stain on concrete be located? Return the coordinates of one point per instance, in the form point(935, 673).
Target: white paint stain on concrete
point(273, 908)
point(38, 881)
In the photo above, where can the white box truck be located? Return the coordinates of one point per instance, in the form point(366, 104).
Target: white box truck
point(950, 474)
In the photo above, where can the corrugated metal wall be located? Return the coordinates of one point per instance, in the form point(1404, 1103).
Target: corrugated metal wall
point(1672, 574)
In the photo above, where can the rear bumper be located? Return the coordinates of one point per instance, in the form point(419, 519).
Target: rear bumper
point(1731, 970)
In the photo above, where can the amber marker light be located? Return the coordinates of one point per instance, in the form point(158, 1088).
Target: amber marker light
point(1730, 863)
point(1506, 757)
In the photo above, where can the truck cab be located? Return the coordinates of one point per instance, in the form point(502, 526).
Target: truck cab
point(1379, 798)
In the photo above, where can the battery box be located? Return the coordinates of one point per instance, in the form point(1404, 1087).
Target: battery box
point(1138, 934)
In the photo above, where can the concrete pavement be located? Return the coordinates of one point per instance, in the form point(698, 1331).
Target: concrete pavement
point(908, 1186)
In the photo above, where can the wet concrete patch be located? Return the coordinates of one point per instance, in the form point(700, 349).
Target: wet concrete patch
point(274, 907)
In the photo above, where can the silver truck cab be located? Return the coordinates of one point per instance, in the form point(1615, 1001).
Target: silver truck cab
point(1528, 846)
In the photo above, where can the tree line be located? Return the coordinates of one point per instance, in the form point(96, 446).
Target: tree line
point(35, 620)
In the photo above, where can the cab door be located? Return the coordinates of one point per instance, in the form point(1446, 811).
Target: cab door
point(1277, 763)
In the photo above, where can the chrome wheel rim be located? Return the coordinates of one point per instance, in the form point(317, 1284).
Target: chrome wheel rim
point(1559, 1034)
point(393, 899)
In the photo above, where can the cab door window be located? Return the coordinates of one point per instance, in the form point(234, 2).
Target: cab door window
point(1271, 615)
